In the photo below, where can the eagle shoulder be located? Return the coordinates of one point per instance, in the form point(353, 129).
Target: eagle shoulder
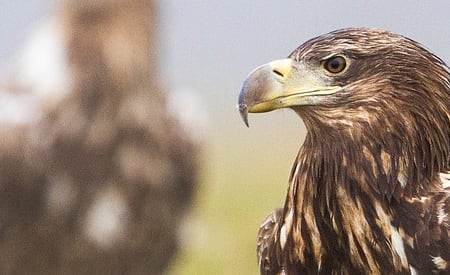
point(267, 262)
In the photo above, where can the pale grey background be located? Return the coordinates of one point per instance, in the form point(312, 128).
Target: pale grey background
point(209, 46)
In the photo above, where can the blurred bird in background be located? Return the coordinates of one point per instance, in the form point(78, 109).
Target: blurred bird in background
point(96, 170)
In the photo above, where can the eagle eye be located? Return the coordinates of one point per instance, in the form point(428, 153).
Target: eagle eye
point(335, 65)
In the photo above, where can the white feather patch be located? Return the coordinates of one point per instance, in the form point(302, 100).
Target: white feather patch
point(107, 217)
point(441, 215)
point(40, 79)
point(286, 228)
point(401, 177)
point(439, 262)
point(18, 109)
point(283, 236)
point(445, 180)
point(413, 270)
point(397, 244)
point(43, 65)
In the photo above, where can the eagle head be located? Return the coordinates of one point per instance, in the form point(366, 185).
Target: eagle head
point(363, 90)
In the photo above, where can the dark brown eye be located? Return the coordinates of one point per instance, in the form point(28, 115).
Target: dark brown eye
point(335, 64)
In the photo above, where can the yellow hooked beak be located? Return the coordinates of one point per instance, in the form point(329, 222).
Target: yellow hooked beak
point(279, 84)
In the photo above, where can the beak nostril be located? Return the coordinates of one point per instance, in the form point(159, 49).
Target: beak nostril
point(275, 71)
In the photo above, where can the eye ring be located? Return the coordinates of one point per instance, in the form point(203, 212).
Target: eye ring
point(335, 65)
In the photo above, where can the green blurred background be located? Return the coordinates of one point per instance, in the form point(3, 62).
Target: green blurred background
point(206, 49)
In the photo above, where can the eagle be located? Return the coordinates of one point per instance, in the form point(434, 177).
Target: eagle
point(369, 192)
point(97, 170)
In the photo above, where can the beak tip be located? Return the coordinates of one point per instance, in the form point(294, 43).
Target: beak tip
point(243, 110)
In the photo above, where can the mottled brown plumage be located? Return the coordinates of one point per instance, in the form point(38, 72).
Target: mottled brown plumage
point(369, 192)
point(95, 174)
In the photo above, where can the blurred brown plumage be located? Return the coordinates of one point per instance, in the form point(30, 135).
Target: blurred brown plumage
point(95, 172)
